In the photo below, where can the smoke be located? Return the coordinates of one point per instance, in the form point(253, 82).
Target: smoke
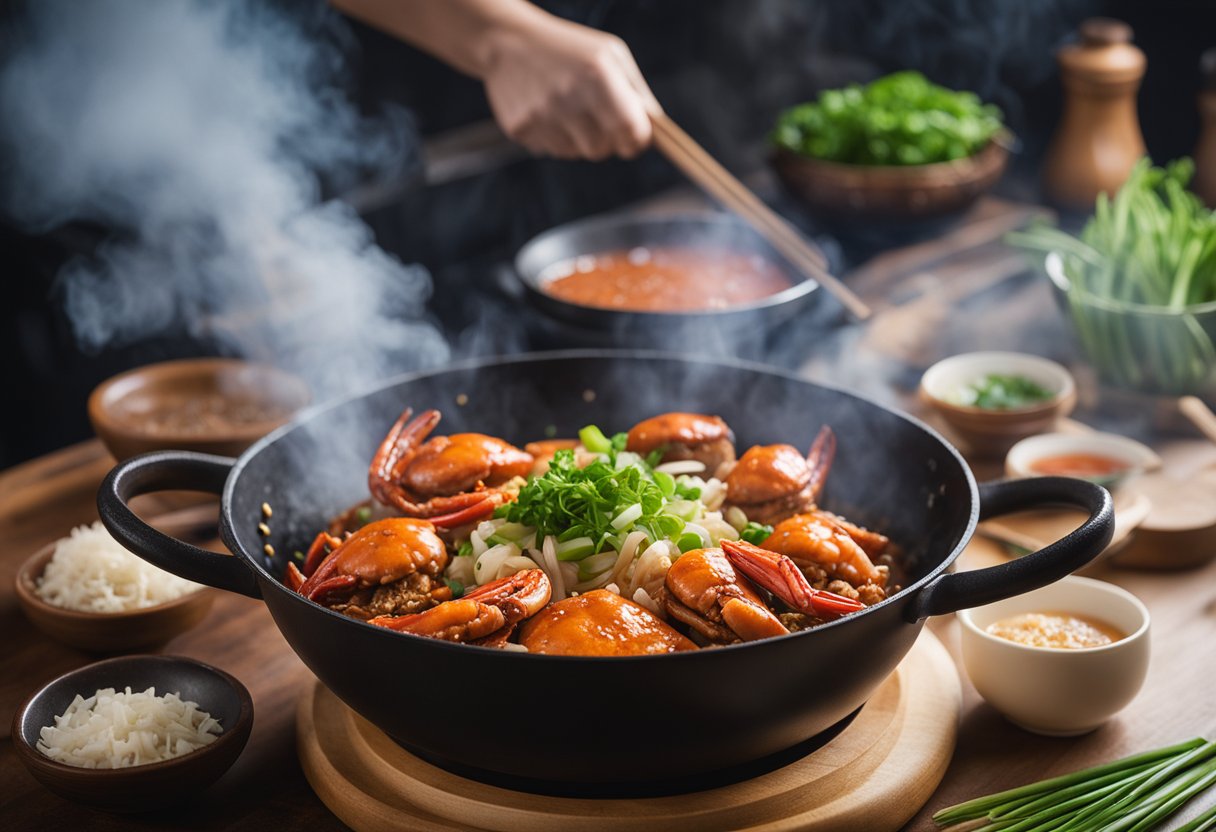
point(200, 134)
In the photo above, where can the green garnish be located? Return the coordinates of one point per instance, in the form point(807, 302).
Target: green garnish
point(363, 514)
point(901, 119)
point(456, 586)
point(298, 555)
point(1003, 392)
point(756, 533)
point(1133, 794)
point(1153, 245)
point(593, 508)
point(465, 550)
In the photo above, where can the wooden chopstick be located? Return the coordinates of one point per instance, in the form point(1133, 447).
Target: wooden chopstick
point(684, 152)
point(1200, 414)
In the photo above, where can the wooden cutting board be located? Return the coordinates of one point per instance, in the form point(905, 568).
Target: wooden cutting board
point(872, 777)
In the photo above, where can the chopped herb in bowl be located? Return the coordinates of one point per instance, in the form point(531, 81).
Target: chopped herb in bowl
point(901, 119)
point(996, 391)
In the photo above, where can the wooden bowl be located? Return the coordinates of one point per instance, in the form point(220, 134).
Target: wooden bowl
point(107, 632)
point(148, 786)
point(129, 411)
point(844, 193)
point(993, 432)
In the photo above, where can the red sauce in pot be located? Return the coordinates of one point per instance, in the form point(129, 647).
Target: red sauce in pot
point(1078, 465)
point(665, 279)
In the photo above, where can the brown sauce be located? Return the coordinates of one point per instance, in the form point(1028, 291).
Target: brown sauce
point(1078, 465)
point(194, 413)
point(1060, 630)
point(665, 279)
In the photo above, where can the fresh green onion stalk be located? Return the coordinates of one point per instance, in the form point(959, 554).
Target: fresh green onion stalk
point(1140, 282)
point(1134, 794)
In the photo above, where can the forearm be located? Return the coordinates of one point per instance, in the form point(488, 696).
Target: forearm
point(462, 33)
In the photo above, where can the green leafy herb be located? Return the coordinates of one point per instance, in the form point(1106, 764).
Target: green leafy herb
point(1134, 794)
point(465, 550)
point(593, 507)
point(1003, 392)
point(456, 586)
point(756, 533)
point(1133, 277)
point(901, 119)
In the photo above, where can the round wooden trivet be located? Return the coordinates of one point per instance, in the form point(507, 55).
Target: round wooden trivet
point(874, 776)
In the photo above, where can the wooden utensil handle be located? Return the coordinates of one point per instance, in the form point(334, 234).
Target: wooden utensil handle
point(718, 182)
point(1200, 414)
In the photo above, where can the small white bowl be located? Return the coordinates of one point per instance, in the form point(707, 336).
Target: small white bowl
point(993, 431)
point(1051, 691)
point(1136, 457)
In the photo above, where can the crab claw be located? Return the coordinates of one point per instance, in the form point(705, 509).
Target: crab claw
point(480, 615)
point(782, 577)
point(477, 511)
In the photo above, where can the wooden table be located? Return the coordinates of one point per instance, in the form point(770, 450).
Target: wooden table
point(919, 293)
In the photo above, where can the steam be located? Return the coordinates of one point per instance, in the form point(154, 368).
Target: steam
point(200, 133)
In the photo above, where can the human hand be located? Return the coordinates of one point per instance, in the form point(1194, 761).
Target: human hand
point(568, 91)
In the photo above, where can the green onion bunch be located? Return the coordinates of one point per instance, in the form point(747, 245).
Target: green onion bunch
point(1136, 277)
point(1135, 794)
point(901, 119)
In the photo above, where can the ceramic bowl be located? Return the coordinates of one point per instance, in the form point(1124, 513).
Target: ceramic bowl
point(127, 411)
point(1135, 456)
point(890, 192)
point(107, 632)
point(148, 786)
point(992, 432)
point(1054, 691)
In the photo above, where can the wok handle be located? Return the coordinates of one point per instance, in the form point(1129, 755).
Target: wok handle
point(163, 471)
point(962, 590)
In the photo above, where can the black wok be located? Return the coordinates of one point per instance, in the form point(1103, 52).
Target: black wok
point(587, 723)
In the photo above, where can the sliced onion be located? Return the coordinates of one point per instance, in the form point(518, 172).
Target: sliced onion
point(681, 466)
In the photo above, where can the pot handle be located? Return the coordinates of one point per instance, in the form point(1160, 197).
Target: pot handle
point(163, 471)
point(961, 590)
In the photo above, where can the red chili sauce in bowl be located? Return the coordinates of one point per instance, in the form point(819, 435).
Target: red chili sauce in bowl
point(665, 279)
point(1085, 466)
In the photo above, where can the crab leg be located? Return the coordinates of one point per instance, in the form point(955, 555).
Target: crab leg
point(782, 577)
point(317, 552)
point(481, 614)
point(395, 454)
point(819, 458)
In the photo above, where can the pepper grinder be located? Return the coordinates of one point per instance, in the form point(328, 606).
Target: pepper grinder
point(1205, 151)
point(1098, 140)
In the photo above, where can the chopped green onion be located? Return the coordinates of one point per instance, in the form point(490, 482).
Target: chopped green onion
point(465, 550)
point(576, 549)
point(627, 517)
point(756, 533)
point(665, 482)
point(363, 514)
point(593, 439)
point(456, 586)
point(689, 541)
point(298, 555)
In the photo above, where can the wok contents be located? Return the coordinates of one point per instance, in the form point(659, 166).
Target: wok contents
point(665, 279)
point(1139, 792)
point(119, 729)
point(91, 572)
point(1064, 631)
point(652, 541)
point(198, 413)
point(900, 119)
point(1083, 466)
point(996, 391)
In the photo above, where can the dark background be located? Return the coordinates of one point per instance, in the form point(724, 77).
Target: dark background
point(722, 68)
